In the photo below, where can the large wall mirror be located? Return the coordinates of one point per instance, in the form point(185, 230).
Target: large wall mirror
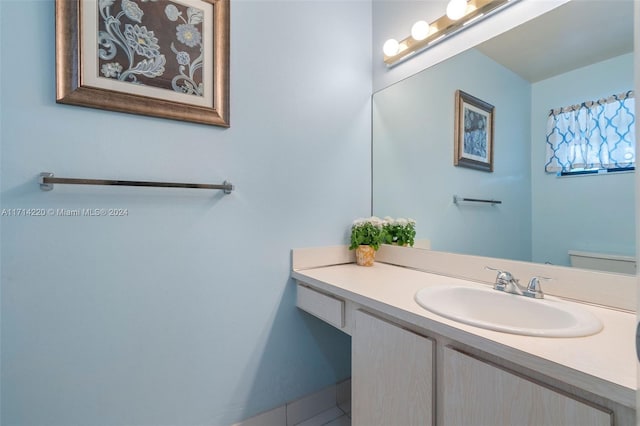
point(580, 51)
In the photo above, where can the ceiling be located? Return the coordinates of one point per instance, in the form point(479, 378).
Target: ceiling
point(576, 34)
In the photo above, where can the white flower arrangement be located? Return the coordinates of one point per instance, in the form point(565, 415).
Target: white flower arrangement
point(369, 231)
point(399, 231)
point(374, 231)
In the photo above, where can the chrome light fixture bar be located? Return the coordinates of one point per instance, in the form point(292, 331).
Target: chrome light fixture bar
point(441, 28)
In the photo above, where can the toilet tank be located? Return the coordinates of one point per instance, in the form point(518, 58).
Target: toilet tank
point(603, 262)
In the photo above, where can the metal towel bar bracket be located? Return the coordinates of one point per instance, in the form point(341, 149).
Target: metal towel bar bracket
point(457, 199)
point(47, 180)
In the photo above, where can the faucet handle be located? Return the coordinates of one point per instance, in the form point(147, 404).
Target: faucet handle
point(503, 276)
point(504, 279)
point(534, 288)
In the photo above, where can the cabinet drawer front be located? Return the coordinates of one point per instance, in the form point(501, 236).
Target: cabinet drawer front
point(476, 392)
point(325, 307)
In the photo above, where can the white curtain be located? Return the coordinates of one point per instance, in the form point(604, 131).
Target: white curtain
point(598, 134)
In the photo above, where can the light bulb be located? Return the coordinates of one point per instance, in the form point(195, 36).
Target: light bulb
point(456, 9)
point(391, 47)
point(420, 30)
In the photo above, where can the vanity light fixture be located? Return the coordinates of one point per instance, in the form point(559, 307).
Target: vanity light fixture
point(391, 47)
point(459, 14)
point(456, 9)
point(420, 30)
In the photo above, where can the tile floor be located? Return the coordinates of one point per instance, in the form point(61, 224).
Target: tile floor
point(328, 407)
point(339, 415)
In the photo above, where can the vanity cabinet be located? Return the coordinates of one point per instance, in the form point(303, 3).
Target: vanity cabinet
point(479, 393)
point(408, 374)
point(392, 374)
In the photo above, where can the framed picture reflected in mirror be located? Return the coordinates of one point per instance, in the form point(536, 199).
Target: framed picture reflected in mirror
point(473, 134)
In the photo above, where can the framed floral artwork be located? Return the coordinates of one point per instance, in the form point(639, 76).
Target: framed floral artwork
point(473, 133)
point(160, 58)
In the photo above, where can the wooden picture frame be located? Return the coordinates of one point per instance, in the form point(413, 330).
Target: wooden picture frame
point(473, 134)
point(166, 59)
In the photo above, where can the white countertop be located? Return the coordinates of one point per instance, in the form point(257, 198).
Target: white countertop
point(604, 363)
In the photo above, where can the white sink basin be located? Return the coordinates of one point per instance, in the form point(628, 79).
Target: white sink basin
point(509, 313)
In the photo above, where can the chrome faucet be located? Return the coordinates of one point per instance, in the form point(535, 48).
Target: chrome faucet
point(506, 282)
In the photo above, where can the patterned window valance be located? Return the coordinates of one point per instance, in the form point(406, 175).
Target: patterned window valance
point(592, 135)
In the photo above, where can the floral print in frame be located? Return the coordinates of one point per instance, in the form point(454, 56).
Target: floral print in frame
point(164, 55)
point(164, 58)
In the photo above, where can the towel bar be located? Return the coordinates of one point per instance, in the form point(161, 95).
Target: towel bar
point(47, 180)
point(457, 199)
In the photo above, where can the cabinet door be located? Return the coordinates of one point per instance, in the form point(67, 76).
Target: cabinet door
point(391, 377)
point(478, 393)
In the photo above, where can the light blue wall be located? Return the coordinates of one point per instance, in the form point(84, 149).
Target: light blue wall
point(594, 209)
point(413, 167)
point(182, 312)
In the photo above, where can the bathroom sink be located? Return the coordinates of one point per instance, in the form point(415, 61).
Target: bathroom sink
point(508, 313)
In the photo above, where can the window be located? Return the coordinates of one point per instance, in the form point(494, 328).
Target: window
point(591, 136)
